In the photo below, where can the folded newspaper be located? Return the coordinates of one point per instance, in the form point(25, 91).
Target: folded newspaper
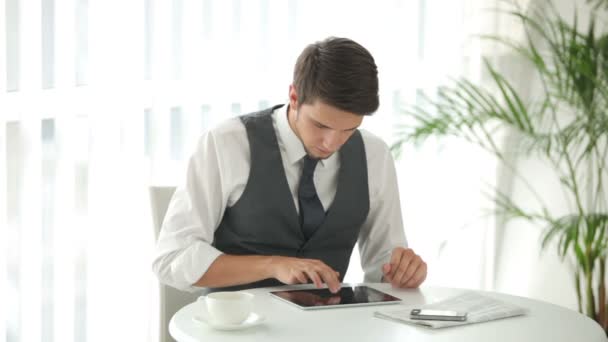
point(479, 308)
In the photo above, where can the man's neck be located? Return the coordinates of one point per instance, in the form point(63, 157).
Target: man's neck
point(291, 118)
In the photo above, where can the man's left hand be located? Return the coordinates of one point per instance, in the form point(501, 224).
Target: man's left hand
point(405, 270)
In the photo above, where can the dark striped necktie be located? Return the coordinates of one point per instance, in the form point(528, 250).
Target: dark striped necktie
point(312, 213)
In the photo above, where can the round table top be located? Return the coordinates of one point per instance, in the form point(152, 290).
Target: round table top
point(285, 322)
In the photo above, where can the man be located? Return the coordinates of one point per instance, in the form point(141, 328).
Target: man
point(281, 196)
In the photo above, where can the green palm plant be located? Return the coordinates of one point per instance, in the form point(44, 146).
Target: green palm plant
point(566, 126)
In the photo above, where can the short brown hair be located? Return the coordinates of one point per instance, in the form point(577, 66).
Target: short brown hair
point(339, 72)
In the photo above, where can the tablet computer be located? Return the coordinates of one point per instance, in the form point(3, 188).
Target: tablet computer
point(311, 299)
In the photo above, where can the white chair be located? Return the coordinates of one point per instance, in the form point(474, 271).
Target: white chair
point(171, 300)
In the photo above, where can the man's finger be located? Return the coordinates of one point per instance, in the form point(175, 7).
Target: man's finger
point(315, 278)
point(401, 268)
point(411, 270)
point(386, 269)
point(413, 283)
point(395, 258)
point(329, 277)
point(301, 277)
point(418, 277)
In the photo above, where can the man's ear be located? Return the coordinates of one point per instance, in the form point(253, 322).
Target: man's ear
point(293, 97)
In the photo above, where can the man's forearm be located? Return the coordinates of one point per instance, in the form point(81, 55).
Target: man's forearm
point(231, 270)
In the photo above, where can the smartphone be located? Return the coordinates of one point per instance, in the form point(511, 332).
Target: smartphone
point(438, 315)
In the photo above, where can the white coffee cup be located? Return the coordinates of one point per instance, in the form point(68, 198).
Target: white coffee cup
point(228, 307)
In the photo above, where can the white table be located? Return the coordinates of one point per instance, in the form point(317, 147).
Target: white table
point(284, 322)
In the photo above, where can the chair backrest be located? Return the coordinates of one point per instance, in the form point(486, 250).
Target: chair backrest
point(170, 299)
point(160, 196)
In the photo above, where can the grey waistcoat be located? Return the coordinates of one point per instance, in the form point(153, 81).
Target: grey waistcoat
point(264, 221)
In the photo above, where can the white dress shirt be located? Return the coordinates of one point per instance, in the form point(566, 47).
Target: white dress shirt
point(217, 174)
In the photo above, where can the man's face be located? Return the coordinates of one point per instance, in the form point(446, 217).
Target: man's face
point(322, 128)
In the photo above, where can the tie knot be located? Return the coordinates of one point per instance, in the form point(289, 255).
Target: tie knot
point(309, 165)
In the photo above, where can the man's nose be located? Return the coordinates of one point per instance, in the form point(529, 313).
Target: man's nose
point(331, 140)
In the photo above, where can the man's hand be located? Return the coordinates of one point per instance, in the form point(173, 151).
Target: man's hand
point(405, 270)
point(300, 271)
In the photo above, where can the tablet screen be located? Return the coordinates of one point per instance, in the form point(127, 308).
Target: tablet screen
point(347, 296)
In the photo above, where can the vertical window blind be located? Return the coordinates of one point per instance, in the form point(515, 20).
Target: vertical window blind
point(100, 99)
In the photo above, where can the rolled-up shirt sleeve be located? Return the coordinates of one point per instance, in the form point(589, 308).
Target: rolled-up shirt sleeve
point(184, 248)
point(383, 230)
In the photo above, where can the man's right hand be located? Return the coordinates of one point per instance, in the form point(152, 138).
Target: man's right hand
point(289, 270)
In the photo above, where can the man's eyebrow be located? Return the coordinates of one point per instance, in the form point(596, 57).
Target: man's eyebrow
point(325, 126)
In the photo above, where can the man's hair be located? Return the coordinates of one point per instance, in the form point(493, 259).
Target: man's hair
point(338, 72)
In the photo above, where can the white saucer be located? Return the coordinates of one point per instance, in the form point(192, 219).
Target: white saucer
point(251, 321)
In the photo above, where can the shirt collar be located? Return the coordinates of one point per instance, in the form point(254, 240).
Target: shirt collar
point(294, 149)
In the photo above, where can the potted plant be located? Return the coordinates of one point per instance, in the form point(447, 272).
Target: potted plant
point(566, 126)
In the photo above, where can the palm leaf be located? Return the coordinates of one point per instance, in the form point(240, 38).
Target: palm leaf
point(572, 66)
